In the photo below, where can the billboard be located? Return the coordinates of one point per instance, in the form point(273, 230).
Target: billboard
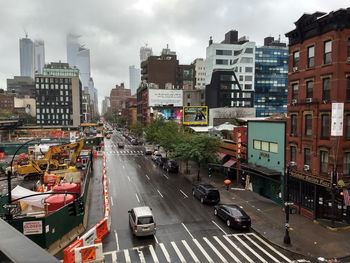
point(195, 115)
point(162, 97)
point(170, 114)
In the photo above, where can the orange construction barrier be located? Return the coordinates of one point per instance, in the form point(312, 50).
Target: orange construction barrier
point(2, 155)
point(101, 229)
point(69, 256)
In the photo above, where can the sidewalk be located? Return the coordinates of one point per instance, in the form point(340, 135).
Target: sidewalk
point(309, 238)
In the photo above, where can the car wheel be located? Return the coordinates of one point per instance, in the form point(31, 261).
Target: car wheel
point(215, 212)
point(228, 223)
point(202, 200)
point(193, 192)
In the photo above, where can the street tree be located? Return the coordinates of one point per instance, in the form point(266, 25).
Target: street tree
point(137, 129)
point(169, 136)
point(152, 132)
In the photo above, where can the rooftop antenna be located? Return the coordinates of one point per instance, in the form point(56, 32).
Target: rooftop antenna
point(25, 32)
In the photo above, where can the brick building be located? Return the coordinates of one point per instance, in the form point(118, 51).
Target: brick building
point(319, 75)
point(118, 97)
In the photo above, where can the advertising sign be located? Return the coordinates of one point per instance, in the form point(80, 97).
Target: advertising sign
point(32, 227)
point(337, 119)
point(163, 97)
point(195, 115)
point(170, 114)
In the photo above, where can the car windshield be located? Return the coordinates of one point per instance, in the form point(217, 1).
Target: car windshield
point(145, 220)
point(213, 193)
point(235, 212)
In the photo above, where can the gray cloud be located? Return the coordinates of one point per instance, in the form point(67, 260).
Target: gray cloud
point(115, 30)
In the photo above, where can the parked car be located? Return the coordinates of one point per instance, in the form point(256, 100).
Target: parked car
point(148, 150)
point(108, 136)
point(171, 166)
point(233, 215)
point(155, 155)
point(120, 145)
point(206, 193)
point(141, 221)
point(160, 161)
point(134, 142)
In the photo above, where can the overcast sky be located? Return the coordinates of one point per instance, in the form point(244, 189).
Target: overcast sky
point(114, 30)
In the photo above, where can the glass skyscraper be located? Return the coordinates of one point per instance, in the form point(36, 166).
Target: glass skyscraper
point(271, 78)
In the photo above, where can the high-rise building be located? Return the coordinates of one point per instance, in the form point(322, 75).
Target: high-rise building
point(22, 86)
point(237, 56)
point(134, 78)
point(106, 104)
point(39, 56)
point(318, 123)
point(199, 67)
point(59, 96)
point(271, 78)
point(145, 52)
point(26, 55)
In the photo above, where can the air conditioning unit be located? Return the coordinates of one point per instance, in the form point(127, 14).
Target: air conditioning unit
point(306, 167)
point(295, 69)
point(325, 101)
point(294, 101)
point(348, 60)
point(308, 100)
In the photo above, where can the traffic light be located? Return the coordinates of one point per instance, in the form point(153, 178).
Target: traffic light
point(80, 208)
point(72, 209)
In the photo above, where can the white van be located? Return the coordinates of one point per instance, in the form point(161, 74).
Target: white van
point(141, 221)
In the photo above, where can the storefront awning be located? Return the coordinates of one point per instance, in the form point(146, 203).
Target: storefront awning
point(260, 169)
point(221, 155)
point(230, 162)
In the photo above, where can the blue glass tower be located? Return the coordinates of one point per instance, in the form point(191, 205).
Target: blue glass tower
point(271, 78)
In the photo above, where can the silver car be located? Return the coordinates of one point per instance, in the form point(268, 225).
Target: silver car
point(141, 221)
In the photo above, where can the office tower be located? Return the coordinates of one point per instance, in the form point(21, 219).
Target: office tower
point(145, 52)
point(199, 67)
point(26, 54)
point(39, 56)
point(134, 78)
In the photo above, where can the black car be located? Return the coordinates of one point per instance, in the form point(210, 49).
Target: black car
point(120, 145)
point(160, 161)
point(171, 166)
point(233, 215)
point(206, 193)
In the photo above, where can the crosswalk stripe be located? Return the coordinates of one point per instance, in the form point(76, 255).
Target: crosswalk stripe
point(270, 247)
point(190, 251)
point(262, 249)
point(142, 258)
point(249, 248)
point(165, 252)
point(202, 250)
point(239, 250)
point(226, 249)
point(215, 250)
point(178, 252)
point(114, 256)
point(127, 256)
point(153, 253)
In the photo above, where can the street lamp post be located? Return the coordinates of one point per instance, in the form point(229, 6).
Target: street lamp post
point(286, 239)
point(9, 174)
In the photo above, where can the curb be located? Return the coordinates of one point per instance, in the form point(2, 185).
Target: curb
point(334, 229)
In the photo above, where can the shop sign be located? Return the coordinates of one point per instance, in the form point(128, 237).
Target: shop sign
point(311, 179)
point(32, 227)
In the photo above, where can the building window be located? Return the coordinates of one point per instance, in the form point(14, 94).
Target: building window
point(221, 62)
point(309, 89)
point(347, 126)
point(224, 52)
point(326, 89)
point(293, 125)
point(324, 161)
point(346, 168)
point(295, 89)
point(327, 59)
point(308, 125)
point(311, 57)
point(307, 156)
point(348, 88)
point(325, 126)
point(293, 153)
point(296, 59)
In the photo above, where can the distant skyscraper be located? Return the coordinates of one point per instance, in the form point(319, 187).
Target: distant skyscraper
point(145, 52)
point(39, 56)
point(26, 55)
point(199, 64)
point(134, 78)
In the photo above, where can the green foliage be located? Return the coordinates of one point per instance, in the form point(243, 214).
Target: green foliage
point(152, 132)
point(137, 129)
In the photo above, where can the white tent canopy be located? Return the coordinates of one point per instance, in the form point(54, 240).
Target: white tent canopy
point(225, 127)
point(37, 200)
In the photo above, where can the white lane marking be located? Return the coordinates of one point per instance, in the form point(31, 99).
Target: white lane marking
point(239, 250)
point(178, 252)
point(226, 249)
point(129, 178)
point(263, 250)
point(127, 256)
point(139, 165)
point(182, 192)
point(160, 194)
point(112, 201)
point(250, 249)
point(142, 258)
point(219, 227)
point(123, 167)
point(138, 200)
point(203, 251)
point(148, 177)
point(193, 255)
point(116, 239)
point(109, 181)
point(153, 253)
point(215, 250)
point(114, 256)
point(165, 252)
point(166, 176)
point(270, 247)
point(156, 239)
point(187, 230)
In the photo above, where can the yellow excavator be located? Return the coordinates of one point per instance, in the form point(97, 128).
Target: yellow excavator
point(58, 157)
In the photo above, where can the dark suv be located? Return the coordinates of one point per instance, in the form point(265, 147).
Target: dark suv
point(206, 193)
point(171, 166)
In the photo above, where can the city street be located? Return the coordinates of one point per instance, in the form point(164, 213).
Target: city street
point(187, 231)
